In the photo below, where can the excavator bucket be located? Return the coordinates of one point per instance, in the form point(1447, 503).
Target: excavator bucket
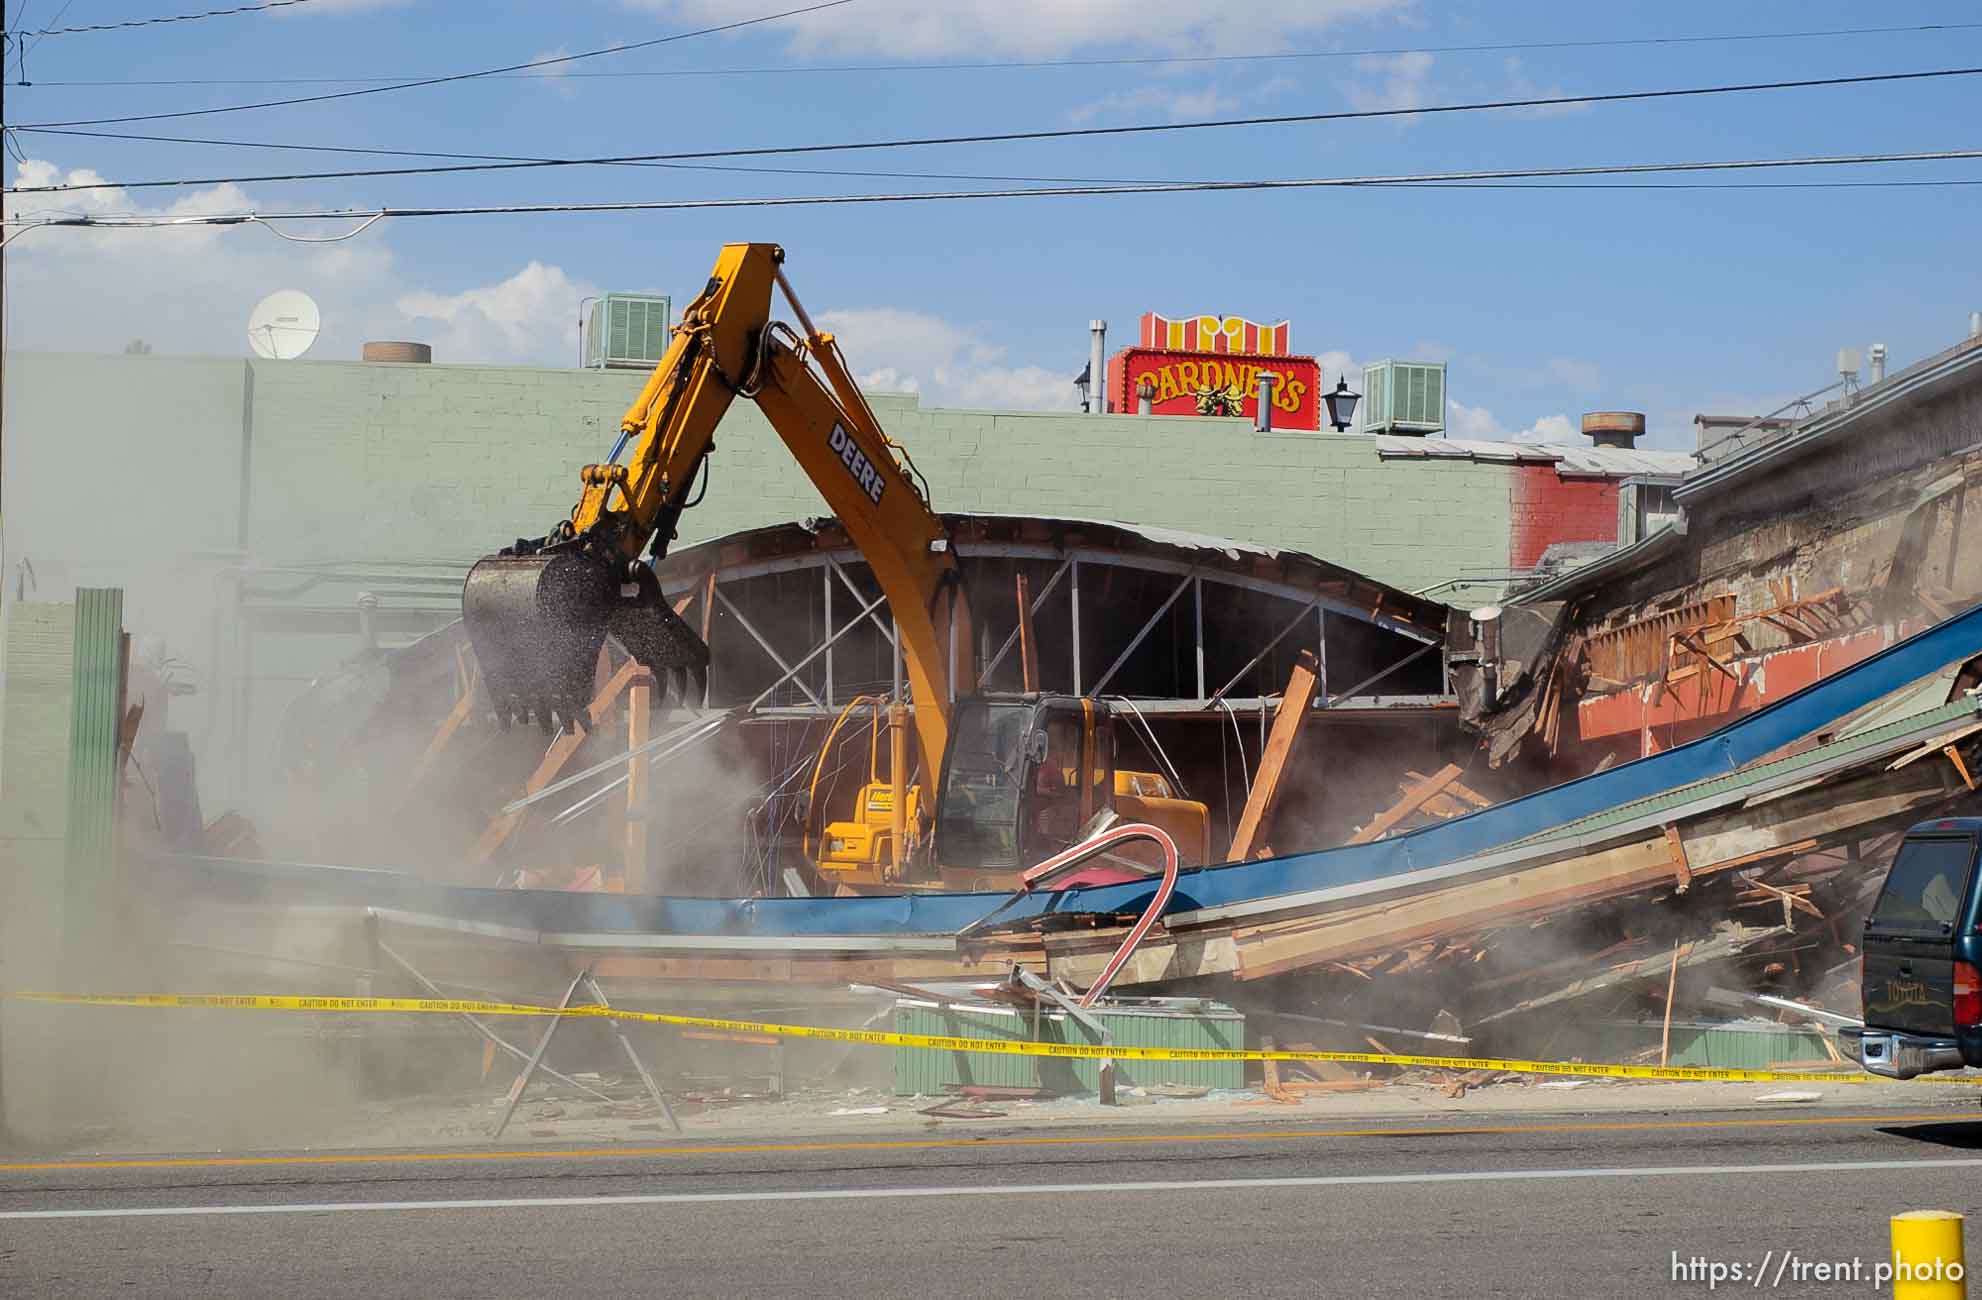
point(537, 623)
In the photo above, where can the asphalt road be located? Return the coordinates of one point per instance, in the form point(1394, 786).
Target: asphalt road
point(1541, 1206)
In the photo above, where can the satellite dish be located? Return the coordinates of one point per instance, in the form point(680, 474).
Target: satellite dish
point(284, 325)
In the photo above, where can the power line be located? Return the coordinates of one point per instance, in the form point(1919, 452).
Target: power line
point(1005, 136)
point(1069, 191)
point(499, 157)
point(463, 76)
point(170, 18)
point(1036, 64)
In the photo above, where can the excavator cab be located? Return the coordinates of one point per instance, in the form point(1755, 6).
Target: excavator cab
point(1027, 775)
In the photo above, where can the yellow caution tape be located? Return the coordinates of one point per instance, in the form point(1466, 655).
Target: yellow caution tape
point(945, 1043)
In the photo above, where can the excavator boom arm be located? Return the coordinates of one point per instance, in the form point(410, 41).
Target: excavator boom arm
point(555, 597)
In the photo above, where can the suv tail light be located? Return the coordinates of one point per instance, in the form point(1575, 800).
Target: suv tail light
point(1967, 995)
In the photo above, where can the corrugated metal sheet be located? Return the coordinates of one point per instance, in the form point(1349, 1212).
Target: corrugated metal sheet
point(1305, 880)
point(1948, 715)
point(1739, 1046)
point(919, 1071)
point(94, 718)
point(1567, 457)
point(1746, 1047)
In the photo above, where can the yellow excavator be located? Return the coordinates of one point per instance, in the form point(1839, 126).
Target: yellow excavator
point(1018, 776)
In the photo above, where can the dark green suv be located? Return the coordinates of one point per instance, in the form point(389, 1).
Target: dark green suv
point(1922, 955)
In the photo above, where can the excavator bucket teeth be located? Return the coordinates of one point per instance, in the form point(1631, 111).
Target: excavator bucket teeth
point(537, 623)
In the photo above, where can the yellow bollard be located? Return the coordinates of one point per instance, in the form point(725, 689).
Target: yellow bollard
point(1927, 1261)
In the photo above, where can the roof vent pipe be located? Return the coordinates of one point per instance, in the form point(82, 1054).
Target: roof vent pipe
point(1097, 366)
point(1263, 415)
point(1877, 352)
point(1975, 324)
point(1486, 640)
point(1614, 428)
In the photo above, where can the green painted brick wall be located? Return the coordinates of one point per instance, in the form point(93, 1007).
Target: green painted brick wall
point(347, 460)
point(164, 475)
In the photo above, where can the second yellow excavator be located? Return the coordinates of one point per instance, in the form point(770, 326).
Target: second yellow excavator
point(1018, 777)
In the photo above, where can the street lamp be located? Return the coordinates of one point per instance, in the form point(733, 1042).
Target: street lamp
point(1082, 382)
point(1341, 405)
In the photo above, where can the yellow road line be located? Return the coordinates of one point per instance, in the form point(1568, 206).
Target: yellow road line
point(932, 1144)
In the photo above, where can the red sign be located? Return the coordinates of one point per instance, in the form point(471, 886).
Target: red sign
point(1214, 334)
point(1206, 383)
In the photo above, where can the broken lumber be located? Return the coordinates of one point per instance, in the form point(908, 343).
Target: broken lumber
point(504, 824)
point(1287, 720)
point(1388, 820)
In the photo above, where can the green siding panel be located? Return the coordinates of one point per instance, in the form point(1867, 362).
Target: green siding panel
point(1742, 1047)
point(919, 1071)
point(94, 724)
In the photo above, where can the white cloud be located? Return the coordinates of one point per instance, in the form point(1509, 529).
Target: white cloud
point(190, 289)
point(1519, 86)
point(556, 77)
point(1174, 104)
point(1033, 28)
point(509, 321)
point(1463, 421)
point(1552, 428)
point(895, 350)
point(1390, 81)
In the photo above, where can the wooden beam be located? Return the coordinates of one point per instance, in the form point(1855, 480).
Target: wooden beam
point(1454, 792)
point(1387, 820)
point(1724, 839)
point(1287, 721)
point(1789, 900)
point(1671, 985)
point(1935, 746)
point(639, 729)
point(457, 718)
point(502, 825)
point(1271, 1073)
point(1028, 646)
point(1681, 870)
point(1954, 756)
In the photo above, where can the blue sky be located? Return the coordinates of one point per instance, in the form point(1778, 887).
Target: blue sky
point(1546, 303)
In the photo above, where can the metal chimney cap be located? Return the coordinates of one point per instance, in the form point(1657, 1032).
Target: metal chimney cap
point(397, 350)
point(1631, 422)
point(1614, 428)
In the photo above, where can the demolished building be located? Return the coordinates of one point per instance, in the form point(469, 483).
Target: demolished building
point(1745, 701)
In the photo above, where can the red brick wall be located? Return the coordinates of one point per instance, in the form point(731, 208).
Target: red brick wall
point(1546, 508)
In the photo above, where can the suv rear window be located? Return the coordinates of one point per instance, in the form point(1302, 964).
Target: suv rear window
point(1925, 888)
